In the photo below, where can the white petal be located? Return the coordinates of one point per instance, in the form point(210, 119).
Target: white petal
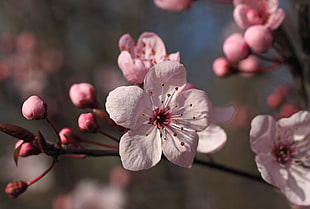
point(222, 114)
point(125, 105)
point(139, 151)
point(193, 108)
point(270, 170)
point(211, 140)
point(180, 149)
point(262, 133)
point(163, 78)
point(298, 186)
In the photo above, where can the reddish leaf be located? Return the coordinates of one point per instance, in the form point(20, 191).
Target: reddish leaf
point(17, 132)
point(16, 153)
point(41, 141)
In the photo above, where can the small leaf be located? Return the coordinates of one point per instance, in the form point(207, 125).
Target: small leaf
point(16, 153)
point(41, 142)
point(17, 132)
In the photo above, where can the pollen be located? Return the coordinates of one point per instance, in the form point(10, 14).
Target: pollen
point(162, 84)
point(176, 88)
point(123, 48)
point(146, 134)
point(142, 114)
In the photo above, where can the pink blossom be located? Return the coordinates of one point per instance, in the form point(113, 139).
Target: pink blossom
point(173, 5)
point(161, 118)
point(83, 95)
point(282, 150)
point(136, 59)
point(34, 108)
point(258, 12)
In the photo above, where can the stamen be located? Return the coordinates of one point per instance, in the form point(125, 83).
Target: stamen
point(182, 143)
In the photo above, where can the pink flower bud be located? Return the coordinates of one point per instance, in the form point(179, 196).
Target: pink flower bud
point(249, 65)
point(275, 100)
point(87, 122)
point(287, 110)
point(259, 38)
point(14, 189)
point(173, 5)
point(235, 48)
point(221, 67)
point(28, 148)
point(34, 108)
point(69, 137)
point(83, 95)
point(253, 17)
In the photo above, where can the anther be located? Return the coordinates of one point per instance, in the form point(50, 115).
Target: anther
point(182, 143)
point(168, 95)
point(190, 105)
point(174, 134)
point(150, 93)
point(162, 84)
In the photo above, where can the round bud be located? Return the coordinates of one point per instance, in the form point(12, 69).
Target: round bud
point(235, 48)
point(83, 95)
point(28, 148)
point(69, 137)
point(221, 67)
point(259, 38)
point(275, 100)
point(34, 108)
point(173, 5)
point(253, 17)
point(249, 65)
point(14, 189)
point(87, 122)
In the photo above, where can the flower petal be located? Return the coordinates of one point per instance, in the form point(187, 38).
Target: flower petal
point(163, 78)
point(240, 16)
point(222, 114)
point(193, 109)
point(139, 151)
point(125, 104)
point(151, 45)
point(126, 43)
point(211, 140)
point(270, 170)
point(275, 19)
point(262, 133)
point(180, 147)
point(126, 64)
point(297, 190)
point(174, 56)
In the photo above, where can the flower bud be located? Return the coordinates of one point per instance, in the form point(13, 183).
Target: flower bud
point(28, 148)
point(259, 38)
point(34, 108)
point(14, 189)
point(173, 5)
point(69, 137)
point(83, 95)
point(249, 65)
point(235, 48)
point(221, 67)
point(87, 122)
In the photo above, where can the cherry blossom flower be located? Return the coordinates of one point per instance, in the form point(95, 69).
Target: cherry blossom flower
point(136, 59)
point(258, 12)
point(282, 149)
point(161, 118)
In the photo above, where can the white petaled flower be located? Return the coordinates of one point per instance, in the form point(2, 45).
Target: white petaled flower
point(283, 149)
point(161, 118)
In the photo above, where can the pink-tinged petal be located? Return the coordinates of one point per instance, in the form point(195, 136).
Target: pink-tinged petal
point(151, 45)
point(240, 16)
point(275, 19)
point(125, 63)
point(270, 6)
point(270, 170)
point(173, 5)
point(139, 151)
point(125, 105)
point(141, 68)
point(180, 147)
point(222, 114)
point(211, 140)
point(174, 56)
point(298, 122)
point(126, 43)
point(193, 109)
point(262, 133)
point(297, 190)
point(163, 78)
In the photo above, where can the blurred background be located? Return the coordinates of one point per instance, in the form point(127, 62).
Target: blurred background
point(45, 46)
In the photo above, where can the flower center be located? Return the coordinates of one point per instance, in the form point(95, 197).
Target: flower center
point(160, 118)
point(283, 153)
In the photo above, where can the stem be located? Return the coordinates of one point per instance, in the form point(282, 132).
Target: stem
point(99, 144)
point(230, 170)
point(43, 174)
point(108, 135)
point(55, 130)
